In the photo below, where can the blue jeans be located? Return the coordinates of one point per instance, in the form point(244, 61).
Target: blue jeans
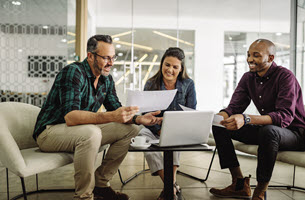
point(270, 139)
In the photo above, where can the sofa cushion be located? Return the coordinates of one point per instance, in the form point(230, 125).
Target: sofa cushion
point(37, 161)
point(19, 119)
point(292, 157)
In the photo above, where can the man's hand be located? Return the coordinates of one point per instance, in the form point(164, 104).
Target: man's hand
point(149, 119)
point(124, 114)
point(234, 122)
point(224, 114)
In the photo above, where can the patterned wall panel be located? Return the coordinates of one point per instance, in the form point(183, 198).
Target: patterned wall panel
point(45, 66)
point(33, 48)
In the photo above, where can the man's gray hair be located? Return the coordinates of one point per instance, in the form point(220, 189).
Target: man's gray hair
point(92, 42)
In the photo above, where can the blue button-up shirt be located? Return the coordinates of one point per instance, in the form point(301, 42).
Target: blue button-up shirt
point(186, 96)
point(277, 94)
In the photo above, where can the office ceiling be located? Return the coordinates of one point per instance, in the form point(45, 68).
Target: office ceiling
point(204, 9)
point(52, 12)
point(37, 10)
point(62, 12)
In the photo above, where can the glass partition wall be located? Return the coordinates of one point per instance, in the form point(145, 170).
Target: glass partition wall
point(37, 39)
point(139, 49)
point(149, 46)
point(300, 53)
point(236, 46)
point(35, 45)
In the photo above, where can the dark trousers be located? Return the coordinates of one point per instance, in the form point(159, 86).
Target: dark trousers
point(270, 139)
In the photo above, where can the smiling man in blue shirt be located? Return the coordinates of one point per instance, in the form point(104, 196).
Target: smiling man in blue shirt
point(69, 121)
point(277, 96)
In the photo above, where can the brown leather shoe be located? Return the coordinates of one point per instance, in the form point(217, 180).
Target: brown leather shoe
point(240, 188)
point(107, 193)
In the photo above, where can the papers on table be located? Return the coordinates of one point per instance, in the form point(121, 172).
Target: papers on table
point(150, 100)
point(216, 120)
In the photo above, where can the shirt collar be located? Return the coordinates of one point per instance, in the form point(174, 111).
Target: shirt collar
point(178, 85)
point(270, 71)
point(88, 69)
point(89, 72)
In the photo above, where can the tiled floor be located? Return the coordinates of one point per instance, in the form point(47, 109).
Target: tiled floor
point(146, 187)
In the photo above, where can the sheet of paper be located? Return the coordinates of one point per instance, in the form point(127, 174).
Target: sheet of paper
point(184, 108)
point(216, 120)
point(154, 141)
point(148, 101)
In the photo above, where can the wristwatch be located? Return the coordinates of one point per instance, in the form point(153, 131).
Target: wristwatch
point(134, 119)
point(247, 119)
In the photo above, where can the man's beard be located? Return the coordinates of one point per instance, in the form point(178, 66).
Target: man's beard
point(96, 68)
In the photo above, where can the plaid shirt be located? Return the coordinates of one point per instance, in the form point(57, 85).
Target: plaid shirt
point(73, 89)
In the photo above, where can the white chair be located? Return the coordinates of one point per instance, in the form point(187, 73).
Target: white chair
point(19, 152)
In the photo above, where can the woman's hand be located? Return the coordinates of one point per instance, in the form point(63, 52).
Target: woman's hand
point(149, 119)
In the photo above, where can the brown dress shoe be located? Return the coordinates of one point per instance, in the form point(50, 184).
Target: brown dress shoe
point(107, 193)
point(240, 188)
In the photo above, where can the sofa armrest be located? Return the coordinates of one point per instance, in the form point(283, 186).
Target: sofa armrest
point(10, 155)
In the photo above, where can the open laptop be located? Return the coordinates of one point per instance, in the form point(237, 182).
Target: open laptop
point(180, 128)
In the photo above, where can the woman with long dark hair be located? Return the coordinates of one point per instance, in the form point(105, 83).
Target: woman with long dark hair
point(171, 75)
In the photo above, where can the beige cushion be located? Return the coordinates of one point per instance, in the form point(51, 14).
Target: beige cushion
point(18, 150)
point(246, 148)
point(37, 161)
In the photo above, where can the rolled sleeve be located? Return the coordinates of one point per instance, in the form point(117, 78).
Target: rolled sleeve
point(227, 111)
point(285, 104)
point(69, 84)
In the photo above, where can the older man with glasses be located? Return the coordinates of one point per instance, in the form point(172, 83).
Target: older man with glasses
point(69, 121)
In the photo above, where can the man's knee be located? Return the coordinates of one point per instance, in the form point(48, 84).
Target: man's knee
point(132, 130)
point(218, 132)
point(125, 130)
point(135, 130)
point(268, 133)
point(92, 135)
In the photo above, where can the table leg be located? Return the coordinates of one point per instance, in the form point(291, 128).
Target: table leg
point(168, 175)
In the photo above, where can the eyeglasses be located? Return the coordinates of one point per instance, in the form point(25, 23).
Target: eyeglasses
point(106, 58)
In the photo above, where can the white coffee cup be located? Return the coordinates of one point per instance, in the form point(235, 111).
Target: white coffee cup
point(138, 140)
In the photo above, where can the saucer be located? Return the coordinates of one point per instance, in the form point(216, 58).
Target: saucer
point(142, 146)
